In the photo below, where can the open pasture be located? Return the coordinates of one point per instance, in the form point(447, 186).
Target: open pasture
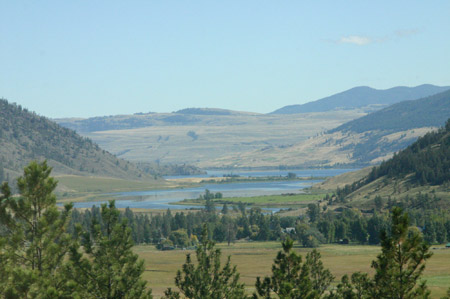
point(255, 259)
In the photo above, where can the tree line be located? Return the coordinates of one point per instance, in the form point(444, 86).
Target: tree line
point(42, 255)
point(320, 225)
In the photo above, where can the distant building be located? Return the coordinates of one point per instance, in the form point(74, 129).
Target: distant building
point(289, 230)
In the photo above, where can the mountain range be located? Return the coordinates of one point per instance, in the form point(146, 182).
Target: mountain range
point(363, 97)
point(364, 141)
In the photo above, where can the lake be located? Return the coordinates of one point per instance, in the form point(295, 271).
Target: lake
point(162, 199)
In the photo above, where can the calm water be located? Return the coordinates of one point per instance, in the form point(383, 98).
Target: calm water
point(161, 199)
point(299, 172)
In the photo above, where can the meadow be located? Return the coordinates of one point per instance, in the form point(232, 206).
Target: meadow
point(284, 200)
point(255, 259)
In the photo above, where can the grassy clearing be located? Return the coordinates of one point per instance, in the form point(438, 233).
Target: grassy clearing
point(265, 200)
point(255, 259)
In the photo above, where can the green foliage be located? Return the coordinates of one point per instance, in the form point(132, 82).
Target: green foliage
point(292, 279)
point(207, 279)
point(400, 265)
point(428, 159)
point(398, 269)
point(34, 241)
point(111, 269)
point(357, 288)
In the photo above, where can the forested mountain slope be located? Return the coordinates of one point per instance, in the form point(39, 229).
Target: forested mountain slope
point(364, 97)
point(418, 176)
point(25, 136)
point(364, 141)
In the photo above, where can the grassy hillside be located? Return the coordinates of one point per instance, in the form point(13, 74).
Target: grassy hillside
point(417, 176)
point(25, 136)
point(364, 97)
point(185, 117)
point(364, 141)
point(199, 137)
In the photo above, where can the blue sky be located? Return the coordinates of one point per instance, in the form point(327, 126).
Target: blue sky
point(90, 58)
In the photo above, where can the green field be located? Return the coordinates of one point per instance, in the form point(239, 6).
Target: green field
point(255, 259)
point(265, 200)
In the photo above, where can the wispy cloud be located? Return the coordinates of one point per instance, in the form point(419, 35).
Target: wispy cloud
point(363, 40)
point(355, 39)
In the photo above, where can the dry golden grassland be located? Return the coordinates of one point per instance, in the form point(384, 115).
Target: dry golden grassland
point(255, 259)
point(218, 136)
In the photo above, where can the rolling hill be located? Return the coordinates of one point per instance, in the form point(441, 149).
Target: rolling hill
point(363, 97)
point(416, 176)
point(26, 136)
point(364, 141)
point(200, 135)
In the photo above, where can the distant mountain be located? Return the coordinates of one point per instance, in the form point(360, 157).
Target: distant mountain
point(431, 111)
point(25, 136)
point(364, 141)
point(207, 111)
point(366, 98)
point(380, 127)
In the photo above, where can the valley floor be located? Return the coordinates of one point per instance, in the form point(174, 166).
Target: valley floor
point(255, 259)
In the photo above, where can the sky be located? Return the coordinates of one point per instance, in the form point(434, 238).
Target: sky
point(94, 58)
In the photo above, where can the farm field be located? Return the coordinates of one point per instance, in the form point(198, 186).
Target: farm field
point(255, 259)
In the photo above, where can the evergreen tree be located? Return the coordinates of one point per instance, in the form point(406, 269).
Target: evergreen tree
point(321, 278)
point(207, 279)
point(111, 269)
point(401, 262)
point(290, 278)
point(34, 242)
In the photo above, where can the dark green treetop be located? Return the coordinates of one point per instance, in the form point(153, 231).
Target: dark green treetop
point(111, 269)
point(207, 279)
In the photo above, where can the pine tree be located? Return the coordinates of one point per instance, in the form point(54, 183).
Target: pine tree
point(207, 279)
point(401, 263)
point(321, 278)
point(34, 242)
point(111, 269)
point(290, 278)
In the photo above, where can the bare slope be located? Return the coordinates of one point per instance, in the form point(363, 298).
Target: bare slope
point(198, 138)
point(25, 136)
point(364, 141)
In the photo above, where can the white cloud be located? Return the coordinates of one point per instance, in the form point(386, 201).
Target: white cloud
point(355, 39)
point(361, 40)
